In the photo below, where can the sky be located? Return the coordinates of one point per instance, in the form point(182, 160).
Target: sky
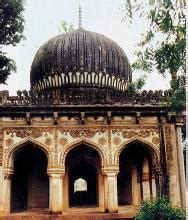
point(42, 21)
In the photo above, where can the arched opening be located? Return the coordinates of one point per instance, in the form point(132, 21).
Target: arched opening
point(135, 176)
point(80, 185)
point(82, 171)
point(30, 182)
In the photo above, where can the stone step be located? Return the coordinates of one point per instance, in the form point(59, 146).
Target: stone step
point(68, 217)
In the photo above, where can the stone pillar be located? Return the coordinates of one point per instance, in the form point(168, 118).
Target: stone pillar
point(6, 194)
point(158, 180)
point(110, 185)
point(145, 180)
point(135, 187)
point(56, 190)
point(153, 182)
point(101, 190)
point(180, 161)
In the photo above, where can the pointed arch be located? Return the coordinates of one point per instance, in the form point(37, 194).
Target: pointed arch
point(82, 78)
point(86, 142)
point(63, 78)
point(103, 80)
point(70, 77)
point(89, 78)
point(8, 159)
point(59, 81)
point(50, 81)
point(53, 81)
point(67, 79)
point(152, 149)
point(96, 80)
point(56, 80)
point(74, 78)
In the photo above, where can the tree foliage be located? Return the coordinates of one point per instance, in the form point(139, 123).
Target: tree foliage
point(178, 94)
point(163, 45)
point(11, 22)
point(11, 33)
point(137, 85)
point(7, 66)
point(160, 208)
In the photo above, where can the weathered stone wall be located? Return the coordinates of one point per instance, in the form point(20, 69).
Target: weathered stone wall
point(1, 168)
point(172, 165)
point(109, 141)
point(108, 138)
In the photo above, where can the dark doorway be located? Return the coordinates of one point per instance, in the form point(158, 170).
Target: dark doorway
point(88, 173)
point(30, 183)
point(124, 180)
point(82, 163)
point(132, 156)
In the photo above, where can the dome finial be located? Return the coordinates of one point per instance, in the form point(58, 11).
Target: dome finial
point(80, 16)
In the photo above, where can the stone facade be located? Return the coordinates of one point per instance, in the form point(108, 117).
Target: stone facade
point(80, 122)
point(108, 133)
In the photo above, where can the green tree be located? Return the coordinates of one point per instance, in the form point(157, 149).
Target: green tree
point(7, 66)
point(160, 209)
point(11, 33)
point(162, 46)
point(137, 85)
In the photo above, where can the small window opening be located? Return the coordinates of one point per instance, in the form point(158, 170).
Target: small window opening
point(80, 185)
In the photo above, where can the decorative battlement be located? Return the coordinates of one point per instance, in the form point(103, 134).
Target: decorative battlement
point(84, 97)
point(3, 97)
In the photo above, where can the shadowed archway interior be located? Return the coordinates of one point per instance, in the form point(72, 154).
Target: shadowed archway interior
point(134, 183)
point(30, 183)
point(82, 162)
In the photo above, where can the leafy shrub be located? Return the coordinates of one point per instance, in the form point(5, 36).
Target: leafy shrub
point(160, 209)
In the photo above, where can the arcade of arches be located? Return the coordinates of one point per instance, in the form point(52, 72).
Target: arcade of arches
point(81, 140)
point(84, 183)
point(85, 168)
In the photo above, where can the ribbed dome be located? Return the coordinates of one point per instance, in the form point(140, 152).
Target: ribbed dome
point(79, 59)
point(79, 51)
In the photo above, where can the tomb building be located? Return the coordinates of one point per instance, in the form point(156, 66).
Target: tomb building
point(80, 139)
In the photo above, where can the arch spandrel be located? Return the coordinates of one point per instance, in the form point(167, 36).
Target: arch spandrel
point(16, 135)
point(8, 157)
point(89, 143)
point(152, 149)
